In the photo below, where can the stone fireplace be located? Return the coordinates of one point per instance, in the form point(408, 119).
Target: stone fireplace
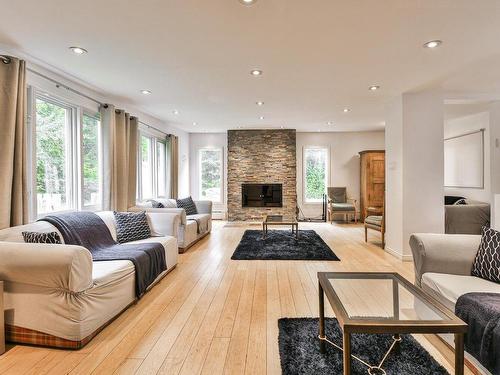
point(261, 157)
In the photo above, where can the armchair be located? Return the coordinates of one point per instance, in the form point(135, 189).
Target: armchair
point(375, 219)
point(339, 203)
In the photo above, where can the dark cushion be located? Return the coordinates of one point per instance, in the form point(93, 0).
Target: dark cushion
point(487, 262)
point(460, 202)
point(451, 199)
point(156, 204)
point(188, 205)
point(37, 237)
point(374, 220)
point(131, 226)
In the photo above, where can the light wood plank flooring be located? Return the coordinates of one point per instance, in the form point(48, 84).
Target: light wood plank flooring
point(212, 315)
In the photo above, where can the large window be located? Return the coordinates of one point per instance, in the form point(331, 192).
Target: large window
point(210, 167)
point(152, 181)
point(53, 156)
point(65, 152)
point(315, 173)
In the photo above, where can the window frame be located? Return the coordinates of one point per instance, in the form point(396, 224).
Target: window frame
point(304, 172)
point(155, 139)
point(200, 151)
point(73, 154)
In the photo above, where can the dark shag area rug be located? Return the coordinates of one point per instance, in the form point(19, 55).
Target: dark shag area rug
point(299, 351)
point(282, 245)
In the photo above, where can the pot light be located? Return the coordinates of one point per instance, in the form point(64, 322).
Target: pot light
point(373, 88)
point(346, 110)
point(433, 44)
point(260, 104)
point(78, 50)
point(329, 123)
point(256, 72)
point(146, 92)
point(261, 117)
point(175, 112)
point(247, 2)
point(195, 123)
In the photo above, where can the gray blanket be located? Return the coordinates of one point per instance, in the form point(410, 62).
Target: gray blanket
point(89, 230)
point(481, 311)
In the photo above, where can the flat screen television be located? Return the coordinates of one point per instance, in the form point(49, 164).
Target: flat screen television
point(262, 195)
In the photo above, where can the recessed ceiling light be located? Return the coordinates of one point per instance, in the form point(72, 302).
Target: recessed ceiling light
point(146, 92)
point(319, 131)
point(175, 112)
point(346, 110)
point(329, 123)
point(195, 123)
point(433, 44)
point(256, 72)
point(260, 104)
point(261, 117)
point(78, 50)
point(247, 2)
point(373, 88)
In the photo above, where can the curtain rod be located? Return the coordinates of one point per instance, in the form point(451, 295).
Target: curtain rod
point(58, 84)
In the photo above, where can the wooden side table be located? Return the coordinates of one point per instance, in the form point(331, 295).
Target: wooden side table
point(2, 325)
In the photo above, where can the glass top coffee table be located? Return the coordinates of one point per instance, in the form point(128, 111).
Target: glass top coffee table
point(270, 220)
point(374, 302)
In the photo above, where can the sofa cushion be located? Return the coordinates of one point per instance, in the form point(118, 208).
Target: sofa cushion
point(131, 226)
point(156, 204)
point(42, 237)
point(487, 262)
point(447, 288)
point(188, 205)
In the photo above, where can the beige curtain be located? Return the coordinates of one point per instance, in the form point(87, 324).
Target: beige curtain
point(119, 132)
point(13, 183)
point(173, 154)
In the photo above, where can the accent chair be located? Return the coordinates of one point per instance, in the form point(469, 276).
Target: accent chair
point(339, 203)
point(375, 219)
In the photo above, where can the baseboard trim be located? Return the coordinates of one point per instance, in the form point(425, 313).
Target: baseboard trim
point(404, 258)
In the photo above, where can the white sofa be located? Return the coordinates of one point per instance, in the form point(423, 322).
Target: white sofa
point(55, 295)
point(443, 264)
point(189, 231)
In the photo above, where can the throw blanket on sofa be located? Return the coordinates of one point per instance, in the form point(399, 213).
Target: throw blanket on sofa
point(89, 230)
point(481, 311)
point(201, 222)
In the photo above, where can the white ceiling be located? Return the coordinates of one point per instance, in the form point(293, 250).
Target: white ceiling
point(318, 56)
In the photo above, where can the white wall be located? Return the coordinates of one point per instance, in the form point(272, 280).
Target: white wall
point(198, 141)
point(465, 125)
point(344, 161)
point(415, 157)
point(495, 160)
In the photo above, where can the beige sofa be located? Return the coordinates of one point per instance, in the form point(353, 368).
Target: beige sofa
point(55, 295)
point(443, 264)
point(192, 227)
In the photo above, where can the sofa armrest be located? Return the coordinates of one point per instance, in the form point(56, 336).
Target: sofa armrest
point(173, 210)
point(204, 207)
point(64, 267)
point(443, 253)
point(164, 223)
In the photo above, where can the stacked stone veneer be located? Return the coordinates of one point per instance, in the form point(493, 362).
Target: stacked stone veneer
point(261, 156)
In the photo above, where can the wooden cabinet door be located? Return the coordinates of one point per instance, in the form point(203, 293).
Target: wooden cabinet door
point(376, 182)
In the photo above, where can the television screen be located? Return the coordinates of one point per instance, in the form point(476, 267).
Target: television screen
point(262, 195)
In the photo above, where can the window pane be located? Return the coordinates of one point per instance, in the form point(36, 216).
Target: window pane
point(315, 166)
point(161, 158)
point(210, 175)
point(52, 164)
point(91, 162)
point(146, 168)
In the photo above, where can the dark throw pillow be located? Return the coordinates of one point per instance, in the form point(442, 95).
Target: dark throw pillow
point(451, 199)
point(487, 262)
point(38, 237)
point(188, 205)
point(156, 204)
point(131, 226)
point(460, 202)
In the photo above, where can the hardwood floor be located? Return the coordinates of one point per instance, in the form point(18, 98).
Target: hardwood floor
point(212, 315)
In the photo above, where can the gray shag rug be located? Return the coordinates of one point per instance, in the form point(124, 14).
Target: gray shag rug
point(282, 245)
point(299, 351)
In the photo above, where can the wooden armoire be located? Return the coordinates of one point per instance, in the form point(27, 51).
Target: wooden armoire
point(372, 186)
